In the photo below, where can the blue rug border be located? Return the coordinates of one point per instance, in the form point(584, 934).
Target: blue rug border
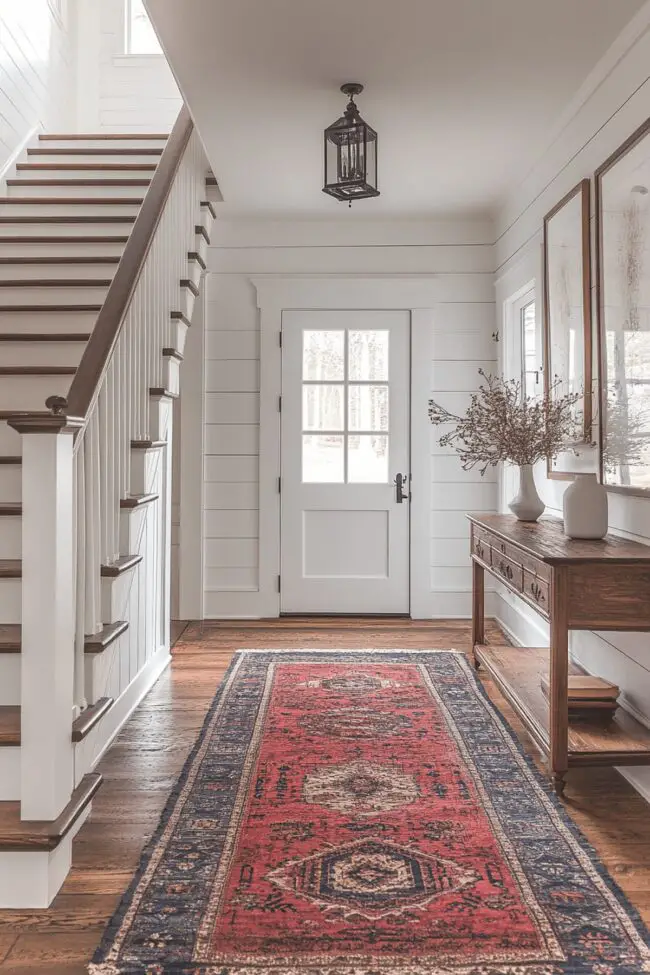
point(126, 900)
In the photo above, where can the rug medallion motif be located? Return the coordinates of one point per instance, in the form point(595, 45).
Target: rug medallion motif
point(365, 814)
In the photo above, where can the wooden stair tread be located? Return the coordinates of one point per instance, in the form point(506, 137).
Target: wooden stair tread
point(10, 636)
point(55, 283)
point(21, 835)
point(138, 500)
point(44, 337)
point(11, 568)
point(98, 642)
point(123, 564)
point(53, 218)
point(38, 167)
point(195, 256)
point(11, 461)
point(9, 725)
point(61, 259)
point(147, 444)
point(49, 308)
point(101, 136)
point(71, 200)
point(71, 182)
point(186, 283)
point(60, 240)
point(37, 370)
point(90, 718)
point(95, 151)
point(179, 316)
point(9, 509)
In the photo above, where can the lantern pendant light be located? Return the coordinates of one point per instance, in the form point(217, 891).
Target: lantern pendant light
point(350, 154)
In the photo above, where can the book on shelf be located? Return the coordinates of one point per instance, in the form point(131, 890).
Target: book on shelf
point(586, 691)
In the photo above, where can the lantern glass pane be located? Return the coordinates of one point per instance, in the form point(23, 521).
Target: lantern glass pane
point(331, 162)
point(371, 162)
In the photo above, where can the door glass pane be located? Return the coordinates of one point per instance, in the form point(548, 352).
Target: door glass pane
point(322, 459)
point(368, 408)
point(322, 407)
point(323, 356)
point(368, 353)
point(367, 459)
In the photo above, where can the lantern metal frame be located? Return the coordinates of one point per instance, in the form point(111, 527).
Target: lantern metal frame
point(350, 132)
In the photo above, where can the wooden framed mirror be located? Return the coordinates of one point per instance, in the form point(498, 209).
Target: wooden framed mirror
point(567, 315)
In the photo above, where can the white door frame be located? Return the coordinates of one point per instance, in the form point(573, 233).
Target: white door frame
point(278, 293)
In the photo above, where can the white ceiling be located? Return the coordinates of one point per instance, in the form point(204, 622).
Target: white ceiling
point(461, 92)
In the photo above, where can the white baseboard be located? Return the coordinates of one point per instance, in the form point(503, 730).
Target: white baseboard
point(90, 751)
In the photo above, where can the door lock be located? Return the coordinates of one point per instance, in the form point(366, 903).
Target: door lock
point(401, 480)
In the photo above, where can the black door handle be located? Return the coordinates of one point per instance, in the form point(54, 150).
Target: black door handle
point(400, 494)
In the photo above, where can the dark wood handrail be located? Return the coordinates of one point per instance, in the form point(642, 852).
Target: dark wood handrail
point(97, 355)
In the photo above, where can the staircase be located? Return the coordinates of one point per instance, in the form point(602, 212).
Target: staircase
point(103, 242)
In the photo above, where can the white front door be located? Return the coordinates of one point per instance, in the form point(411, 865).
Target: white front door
point(345, 440)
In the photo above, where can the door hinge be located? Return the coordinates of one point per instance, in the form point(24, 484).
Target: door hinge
point(279, 485)
point(280, 339)
point(279, 404)
point(279, 582)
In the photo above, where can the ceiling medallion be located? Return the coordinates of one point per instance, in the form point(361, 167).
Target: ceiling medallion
point(350, 154)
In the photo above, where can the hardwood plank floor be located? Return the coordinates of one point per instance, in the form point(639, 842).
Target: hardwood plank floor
point(143, 764)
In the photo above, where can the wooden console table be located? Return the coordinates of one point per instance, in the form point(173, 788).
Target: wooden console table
point(575, 585)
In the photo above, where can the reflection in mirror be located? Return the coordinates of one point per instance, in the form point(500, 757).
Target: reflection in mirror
point(624, 310)
point(567, 316)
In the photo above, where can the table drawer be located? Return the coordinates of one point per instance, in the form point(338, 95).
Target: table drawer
point(537, 590)
point(481, 545)
point(514, 554)
point(504, 568)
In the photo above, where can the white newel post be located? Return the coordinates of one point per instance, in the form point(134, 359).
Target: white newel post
point(48, 619)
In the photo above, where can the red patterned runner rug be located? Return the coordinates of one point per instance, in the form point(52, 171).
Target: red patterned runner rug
point(365, 813)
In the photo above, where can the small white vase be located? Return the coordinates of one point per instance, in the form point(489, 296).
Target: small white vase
point(585, 508)
point(528, 505)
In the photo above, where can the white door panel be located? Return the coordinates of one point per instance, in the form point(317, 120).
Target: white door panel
point(345, 436)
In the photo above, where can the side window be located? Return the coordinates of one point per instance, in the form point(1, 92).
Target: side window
point(531, 354)
point(140, 35)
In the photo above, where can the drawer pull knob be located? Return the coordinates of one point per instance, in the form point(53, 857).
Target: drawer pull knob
point(506, 570)
point(537, 592)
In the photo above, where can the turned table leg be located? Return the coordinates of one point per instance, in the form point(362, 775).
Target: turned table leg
point(478, 608)
point(558, 693)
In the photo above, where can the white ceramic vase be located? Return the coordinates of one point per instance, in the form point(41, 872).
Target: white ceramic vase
point(585, 508)
point(527, 506)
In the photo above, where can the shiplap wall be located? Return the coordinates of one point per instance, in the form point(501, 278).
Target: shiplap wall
point(36, 72)
point(459, 256)
point(121, 93)
point(615, 103)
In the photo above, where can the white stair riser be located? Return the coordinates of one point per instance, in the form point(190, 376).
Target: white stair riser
point(90, 174)
point(9, 679)
point(187, 300)
point(30, 879)
point(181, 335)
point(30, 392)
point(47, 321)
point(194, 272)
point(137, 142)
point(201, 247)
point(115, 596)
point(25, 295)
point(36, 228)
point(10, 446)
point(11, 477)
point(10, 603)
point(145, 465)
point(9, 773)
point(11, 544)
point(171, 374)
point(28, 249)
point(206, 220)
point(132, 526)
point(93, 159)
point(39, 190)
point(55, 272)
point(81, 209)
point(98, 668)
point(41, 353)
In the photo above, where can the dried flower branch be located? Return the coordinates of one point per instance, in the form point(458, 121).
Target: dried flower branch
point(502, 425)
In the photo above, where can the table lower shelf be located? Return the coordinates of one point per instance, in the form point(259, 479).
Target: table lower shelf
point(517, 672)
